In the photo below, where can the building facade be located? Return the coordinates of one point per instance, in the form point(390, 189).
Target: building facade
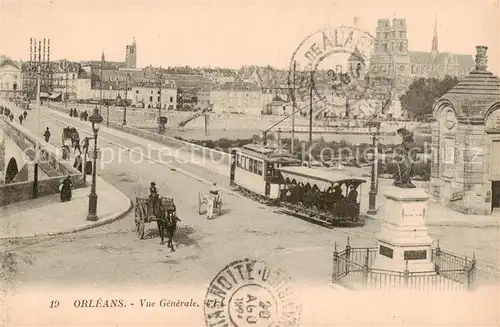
point(11, 78)
point(151, 97)
point(465, 168)
point(239, 98)
point(65, 77)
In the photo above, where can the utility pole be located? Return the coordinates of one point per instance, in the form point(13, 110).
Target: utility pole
point(66, 95)
point(310, 114)
point(100, 71)
point(125, 102)
point(160, 80)
point(37, 145)
point(294, 107)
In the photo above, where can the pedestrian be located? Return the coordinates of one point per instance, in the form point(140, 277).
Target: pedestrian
point(65, 189)
point(213, 197)
point(47, 135)
point(11, 117)
point(20, 119)
point(25, 114)
point(71, 112)
point(76, 144)
point(78, 163)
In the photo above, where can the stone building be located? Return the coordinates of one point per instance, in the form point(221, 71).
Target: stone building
point(11, 81)
point(131, 55)
point(391, 56)
point(465, 169)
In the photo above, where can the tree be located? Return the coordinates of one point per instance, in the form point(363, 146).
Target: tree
point(421, 94)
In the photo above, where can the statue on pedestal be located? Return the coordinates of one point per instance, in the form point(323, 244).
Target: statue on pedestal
point(405, 156)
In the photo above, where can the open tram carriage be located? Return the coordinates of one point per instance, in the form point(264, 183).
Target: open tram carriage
point(327, 196)
point(274, 176)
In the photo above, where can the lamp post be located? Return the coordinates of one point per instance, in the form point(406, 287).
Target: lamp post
point(96, 120)
point(374, 130)
point(125, 102)
point(107, 115)
point(85, 153)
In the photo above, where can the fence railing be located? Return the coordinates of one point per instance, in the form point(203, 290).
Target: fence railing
point(352, 268)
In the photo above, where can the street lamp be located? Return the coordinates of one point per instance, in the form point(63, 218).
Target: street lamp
point(374, 130)
point(96, 120)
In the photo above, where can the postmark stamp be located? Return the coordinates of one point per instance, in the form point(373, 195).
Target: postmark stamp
point(331, 70)
point(251, 293)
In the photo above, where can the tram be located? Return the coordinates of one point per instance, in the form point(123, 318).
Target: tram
point(254, 170)
point(275, 177)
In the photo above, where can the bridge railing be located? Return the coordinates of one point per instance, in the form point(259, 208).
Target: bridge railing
point(352, 268)
point(50, 162)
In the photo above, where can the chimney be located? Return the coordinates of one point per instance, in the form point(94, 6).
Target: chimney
point(481, 58)
point(356, 21)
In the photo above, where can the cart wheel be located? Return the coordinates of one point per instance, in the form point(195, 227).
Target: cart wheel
point(140, 230)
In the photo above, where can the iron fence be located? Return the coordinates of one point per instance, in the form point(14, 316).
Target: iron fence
point(352, 268)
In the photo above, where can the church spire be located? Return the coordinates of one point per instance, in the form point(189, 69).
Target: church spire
point(435, 49)
point(102, 56)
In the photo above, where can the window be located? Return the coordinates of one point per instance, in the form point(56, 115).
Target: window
point(159, 98)
point(250, 166)
point(401, 47)
point(386, 48)
point(171, 99)
point(151, 91)
point(260, 168)
point(159, 92)
point(247, 163)
point(150, 99)
point(136, 91)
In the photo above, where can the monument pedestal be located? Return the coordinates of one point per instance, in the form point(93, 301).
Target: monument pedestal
point(404, 240)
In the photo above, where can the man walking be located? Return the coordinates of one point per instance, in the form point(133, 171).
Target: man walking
point(214, 195)
point(47, 135)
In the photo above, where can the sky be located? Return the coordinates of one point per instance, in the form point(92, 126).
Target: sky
point(231, 33)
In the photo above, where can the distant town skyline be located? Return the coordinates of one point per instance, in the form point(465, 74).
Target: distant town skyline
point(229, 34)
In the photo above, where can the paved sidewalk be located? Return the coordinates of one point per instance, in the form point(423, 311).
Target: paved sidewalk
point(47, 216)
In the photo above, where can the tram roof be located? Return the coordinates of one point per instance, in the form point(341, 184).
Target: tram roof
point(317, 174)
point(269, 153)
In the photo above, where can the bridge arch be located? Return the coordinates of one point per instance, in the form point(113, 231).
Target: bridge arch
point(11, 171)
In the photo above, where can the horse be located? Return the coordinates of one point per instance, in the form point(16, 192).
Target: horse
point(166, 220)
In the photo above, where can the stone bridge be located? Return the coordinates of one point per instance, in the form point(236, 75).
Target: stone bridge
point(17, 157)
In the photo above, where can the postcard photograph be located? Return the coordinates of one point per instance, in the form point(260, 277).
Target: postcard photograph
point(249, 163)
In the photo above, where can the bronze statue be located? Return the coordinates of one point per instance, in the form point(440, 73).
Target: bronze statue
point(405, 156)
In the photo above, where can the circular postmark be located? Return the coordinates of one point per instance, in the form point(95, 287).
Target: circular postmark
point(332, 69)
point(251, 293)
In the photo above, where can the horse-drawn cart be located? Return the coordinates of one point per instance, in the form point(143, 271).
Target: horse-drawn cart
point(68, 135)
point(204, 198)
point(147, 211)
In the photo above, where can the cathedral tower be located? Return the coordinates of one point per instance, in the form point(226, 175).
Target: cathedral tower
point(435, 49)
point(131, 55)
point(391, 56)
